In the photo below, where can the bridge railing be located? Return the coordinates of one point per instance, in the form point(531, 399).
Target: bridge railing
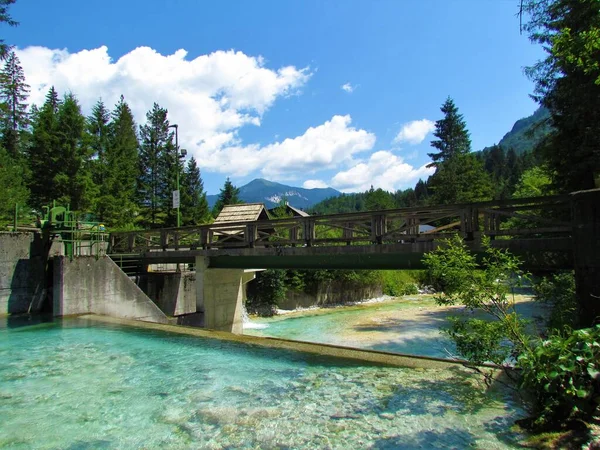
point(530, 218)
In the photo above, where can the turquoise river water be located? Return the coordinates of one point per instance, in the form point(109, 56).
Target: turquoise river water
point(79, 384)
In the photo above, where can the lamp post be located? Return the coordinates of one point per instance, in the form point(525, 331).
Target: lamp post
point(176, 196)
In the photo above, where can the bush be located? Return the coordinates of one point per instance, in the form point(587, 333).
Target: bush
point(400, 282)
point(559, 291)
point(266, 291)
point(563, 375)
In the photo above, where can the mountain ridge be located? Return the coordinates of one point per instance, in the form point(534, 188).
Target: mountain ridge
point(271, 193)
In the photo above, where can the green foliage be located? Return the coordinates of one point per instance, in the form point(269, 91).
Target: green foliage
point(11, 185)
point(559, 291)
point(400, 282)
point(534, 182)
point(229, 195)
point(266, 291)
point(158, 170)
point(567, 84)
point(563, 374)
point(194, 206)
point(460, 179)
point(452, 135)
point(6, 18)
point(13, 108)
point(117, 197)
point(560, 374)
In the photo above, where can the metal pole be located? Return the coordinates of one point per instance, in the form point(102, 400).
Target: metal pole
point(177, 162)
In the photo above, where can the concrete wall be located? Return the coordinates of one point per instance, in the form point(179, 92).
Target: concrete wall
point(22, 273)
point(330, 293)
point(90, 285)
point(173, 293)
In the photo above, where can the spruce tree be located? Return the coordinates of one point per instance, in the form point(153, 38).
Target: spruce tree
point(158, 168)
point(13, 95)
point(12, 186)
point(43, 154)
point(194, 206)
point(452, 135)
point(117, 197)
point(73, 180)
point(229, 195)
point(97, 128)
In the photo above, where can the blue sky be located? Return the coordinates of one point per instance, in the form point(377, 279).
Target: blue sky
point(314, 93)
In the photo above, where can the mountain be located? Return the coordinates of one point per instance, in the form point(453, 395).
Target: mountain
point(271, 193)
point(527, 132)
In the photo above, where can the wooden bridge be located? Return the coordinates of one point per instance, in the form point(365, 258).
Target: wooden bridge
point(566, 228)
point(374, 239)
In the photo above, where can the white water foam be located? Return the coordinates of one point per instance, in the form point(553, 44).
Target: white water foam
point(247, 324)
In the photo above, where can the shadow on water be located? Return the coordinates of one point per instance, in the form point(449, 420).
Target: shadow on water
point(447, 438)
point(27, 321)
point(430, 397)
point(90, 445)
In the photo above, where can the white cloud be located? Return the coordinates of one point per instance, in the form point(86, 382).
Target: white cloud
point(313, 184)
point(383, 170)
point(322, 147)
point(348, 88)
point(414, 132)
point(210, 97)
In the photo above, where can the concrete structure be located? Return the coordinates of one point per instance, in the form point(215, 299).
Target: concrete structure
point(22, 273)
point(89, 285)
point(220, 294)
point(173, 292)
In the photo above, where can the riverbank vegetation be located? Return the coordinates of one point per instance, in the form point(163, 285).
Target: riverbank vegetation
point(558, 368)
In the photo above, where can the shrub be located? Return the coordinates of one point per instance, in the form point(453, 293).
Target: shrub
point(266, 291)
point(563, 375)
point(559, 291)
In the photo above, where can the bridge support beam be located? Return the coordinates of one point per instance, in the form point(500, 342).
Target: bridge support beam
point(220, 295)
point(586, 253)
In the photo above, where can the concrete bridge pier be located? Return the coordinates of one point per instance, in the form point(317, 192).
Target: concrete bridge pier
point(586, 253)
point(220, 294)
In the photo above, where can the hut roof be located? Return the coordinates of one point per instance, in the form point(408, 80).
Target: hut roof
point(245, 212)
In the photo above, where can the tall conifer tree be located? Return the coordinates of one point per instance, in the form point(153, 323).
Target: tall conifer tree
point(229, 195)
point(14, 92)
point(43, 153)
point(194, 206)
point(452, 135)
point(158, 167)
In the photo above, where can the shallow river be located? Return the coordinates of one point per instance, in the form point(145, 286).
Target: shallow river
point(85, 385)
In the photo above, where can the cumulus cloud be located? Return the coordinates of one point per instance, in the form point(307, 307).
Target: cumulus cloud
point(348, 88)
point(383, 170)
point(210, 97)
point(414, 132)
point(313, 184)
point(322, 147)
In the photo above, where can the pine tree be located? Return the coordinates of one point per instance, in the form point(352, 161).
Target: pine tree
point(229, 195)
point(13, 94)
point(451, 133)
point(117, 197)
point(43, 153)
point(98, 130)
point(73, 180)
point(194, 206)
point(158, 168)
point(6, 18)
